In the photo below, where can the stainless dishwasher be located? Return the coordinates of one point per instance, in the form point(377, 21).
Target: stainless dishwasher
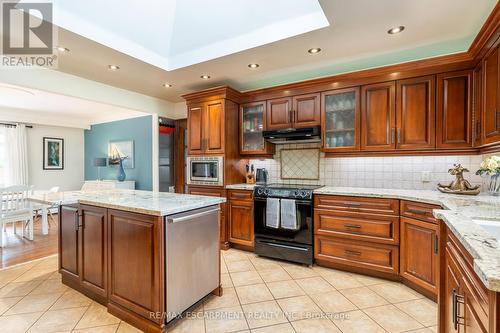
point(192, 258)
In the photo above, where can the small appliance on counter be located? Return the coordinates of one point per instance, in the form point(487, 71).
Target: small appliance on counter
point(261, 176)
point(283, 222)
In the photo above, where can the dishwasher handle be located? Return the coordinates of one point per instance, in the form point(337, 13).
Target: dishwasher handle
point(192, 216)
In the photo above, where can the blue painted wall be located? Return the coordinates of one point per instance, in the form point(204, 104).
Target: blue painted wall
point(140, 130)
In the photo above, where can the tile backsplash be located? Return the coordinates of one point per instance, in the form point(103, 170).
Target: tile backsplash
point(401, 172)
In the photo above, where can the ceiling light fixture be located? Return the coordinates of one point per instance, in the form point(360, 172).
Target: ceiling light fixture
point(62, 49)
point(167, 85)
point(395, 30)
point(314, 50)
point(113, 67)
point(253, 66)
point(205, 77)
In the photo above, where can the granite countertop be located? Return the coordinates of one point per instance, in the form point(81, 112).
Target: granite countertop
point(243, 186)
point(143, 202)
point(458, 215)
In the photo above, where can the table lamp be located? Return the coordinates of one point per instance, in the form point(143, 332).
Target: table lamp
point(100, 162)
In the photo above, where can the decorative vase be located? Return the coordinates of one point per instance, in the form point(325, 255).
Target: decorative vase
point(494, 186)
point(121, 172)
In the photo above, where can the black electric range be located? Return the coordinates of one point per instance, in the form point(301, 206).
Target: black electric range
point(274, 237)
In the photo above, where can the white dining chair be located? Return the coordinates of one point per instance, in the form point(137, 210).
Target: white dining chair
point(15, 207)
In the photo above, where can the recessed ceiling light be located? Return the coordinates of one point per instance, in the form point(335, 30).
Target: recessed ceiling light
point(113, 67)
point(62, 49)
point(205, 77)
point(167, 85)
point(253, 65)
point(395, 30)
point(314, 50)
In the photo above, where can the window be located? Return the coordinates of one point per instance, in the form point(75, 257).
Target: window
point(3, 157)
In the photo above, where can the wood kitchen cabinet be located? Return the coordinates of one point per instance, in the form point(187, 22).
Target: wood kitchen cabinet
point(454, 107)
point(465, 304)
point(252, 125)
point(83, 258)
point(206, 128)
point(419, 263)
point(378, 116)
point(240, 215)
point(341, 120)
point(93, 251)
point(415, 113)
point(136, 264)
point(491, 98)
point(293, 112)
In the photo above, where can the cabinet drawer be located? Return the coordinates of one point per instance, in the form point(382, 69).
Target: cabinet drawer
point(357, 204)
point(372, 256)
point(419, 211)
point(351, 225)
point(240, 195)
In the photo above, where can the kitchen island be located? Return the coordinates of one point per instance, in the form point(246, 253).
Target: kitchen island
point(147, 256)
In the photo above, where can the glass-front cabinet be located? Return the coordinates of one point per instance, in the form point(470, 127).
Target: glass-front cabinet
point(341, 120)
point(252, 122)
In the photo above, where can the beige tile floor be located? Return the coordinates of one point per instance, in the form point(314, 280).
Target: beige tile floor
point(260, 295)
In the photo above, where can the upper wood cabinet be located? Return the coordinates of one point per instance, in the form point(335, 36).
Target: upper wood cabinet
point(206, 128)
point(252, 124)
point(341, 120)
point(298, 111)
point(279, 113)
point(378, 116)
point(306, 110)
point(491, 98)
point(415, 116)
point(454, 107)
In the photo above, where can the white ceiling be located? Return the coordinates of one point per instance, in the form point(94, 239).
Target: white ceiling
point(355, 39)
point(36, 106)
point(172, 34)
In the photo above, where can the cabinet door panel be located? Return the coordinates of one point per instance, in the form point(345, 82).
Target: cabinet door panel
point(136, 262)
point(378, 118)
point(452, 286)
point(93, 250)
point(415, 113)
point(241, 222)
point(477, 105)
point(454, 120)
point(419, 253)
point(195, 125)
point(214, 130)
point(279, 113)
point(306, 110)
point(68, 240)
point(491, 125)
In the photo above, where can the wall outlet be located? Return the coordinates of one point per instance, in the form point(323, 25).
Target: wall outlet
point(426, 176)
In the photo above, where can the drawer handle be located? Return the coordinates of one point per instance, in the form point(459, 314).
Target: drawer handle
point(456, 318)
point(416, 211)
point(352, 253)
point(352, 226)
point(353, 204)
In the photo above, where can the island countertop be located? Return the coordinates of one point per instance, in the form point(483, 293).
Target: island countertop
point(143, 202)
point(459, 214)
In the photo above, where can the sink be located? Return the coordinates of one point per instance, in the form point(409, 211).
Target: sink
point(491, 226)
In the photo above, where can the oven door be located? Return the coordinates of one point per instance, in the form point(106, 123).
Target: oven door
point(304, 212)
point(204, 170)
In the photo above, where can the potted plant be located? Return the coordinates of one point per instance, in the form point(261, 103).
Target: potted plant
point(490, 168)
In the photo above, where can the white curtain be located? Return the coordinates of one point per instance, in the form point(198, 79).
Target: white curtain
point(17, 155)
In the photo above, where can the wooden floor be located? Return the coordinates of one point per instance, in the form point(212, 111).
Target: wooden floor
point(17, 250)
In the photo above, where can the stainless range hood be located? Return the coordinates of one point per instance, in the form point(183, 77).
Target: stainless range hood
point(294, 135)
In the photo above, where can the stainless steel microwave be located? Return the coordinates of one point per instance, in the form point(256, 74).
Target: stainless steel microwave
point(206, 170)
